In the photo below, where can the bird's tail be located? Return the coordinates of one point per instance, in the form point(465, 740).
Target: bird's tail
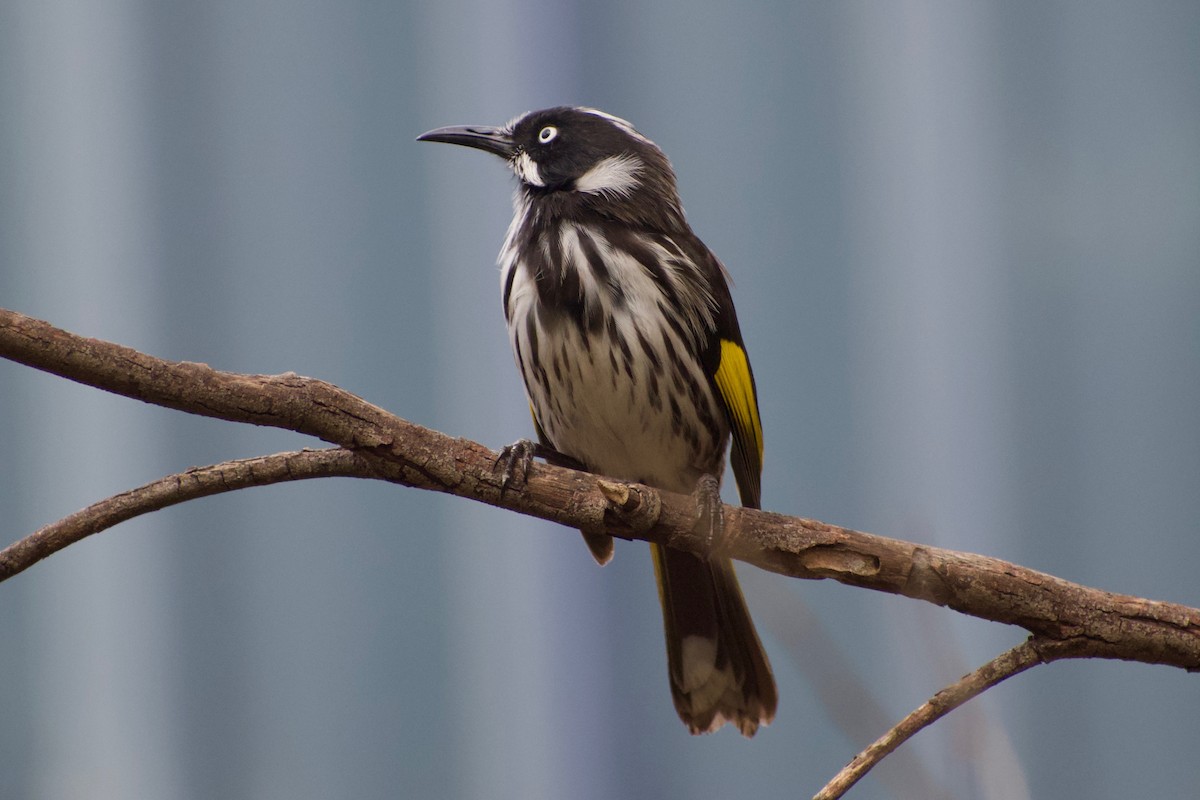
point(718, 669)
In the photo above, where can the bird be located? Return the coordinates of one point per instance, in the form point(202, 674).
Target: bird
point(624, 331)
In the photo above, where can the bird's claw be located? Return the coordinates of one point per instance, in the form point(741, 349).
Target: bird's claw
point(514, 461)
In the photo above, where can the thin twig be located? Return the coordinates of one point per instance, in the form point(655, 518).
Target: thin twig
point(1020, 658)
point(850, 702)
point(196, 482)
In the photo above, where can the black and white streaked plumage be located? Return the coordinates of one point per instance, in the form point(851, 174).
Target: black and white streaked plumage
point(625, 334)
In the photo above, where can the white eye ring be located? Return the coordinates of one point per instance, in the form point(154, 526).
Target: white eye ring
point(547, 134)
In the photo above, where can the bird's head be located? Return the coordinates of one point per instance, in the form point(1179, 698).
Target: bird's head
point(577, 156)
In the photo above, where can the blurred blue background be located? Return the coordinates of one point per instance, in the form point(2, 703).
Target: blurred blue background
point(965, 239)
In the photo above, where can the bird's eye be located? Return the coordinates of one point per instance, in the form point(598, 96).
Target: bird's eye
point(547, 134)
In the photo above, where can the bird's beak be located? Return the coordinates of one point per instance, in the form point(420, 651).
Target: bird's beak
point(482, 137)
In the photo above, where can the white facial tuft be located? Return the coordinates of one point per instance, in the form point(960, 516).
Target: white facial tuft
point(527, 170)
point(615, 176)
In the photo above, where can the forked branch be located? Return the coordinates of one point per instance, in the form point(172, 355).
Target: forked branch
point(1067, 620)
point(1102, 624)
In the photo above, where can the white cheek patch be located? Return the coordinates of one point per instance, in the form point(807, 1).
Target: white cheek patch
point(527, 170)
point(615, 176)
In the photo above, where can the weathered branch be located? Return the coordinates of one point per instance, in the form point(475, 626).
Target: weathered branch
point(1102, 624)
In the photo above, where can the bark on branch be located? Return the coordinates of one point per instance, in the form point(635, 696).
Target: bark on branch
point(1089, 622)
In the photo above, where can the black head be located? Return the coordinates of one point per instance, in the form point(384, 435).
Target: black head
point(577, 155)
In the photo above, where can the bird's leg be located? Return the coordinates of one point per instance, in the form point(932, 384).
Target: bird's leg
point(515, 459)
point(553, 457)
point(710, 515)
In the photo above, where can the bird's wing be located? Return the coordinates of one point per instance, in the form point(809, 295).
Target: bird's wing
point(728, 367)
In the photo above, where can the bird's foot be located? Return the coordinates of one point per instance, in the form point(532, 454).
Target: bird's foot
point(515, 459)
point(514, 462)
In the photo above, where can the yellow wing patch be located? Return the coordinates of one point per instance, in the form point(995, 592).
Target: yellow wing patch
point(736, 386)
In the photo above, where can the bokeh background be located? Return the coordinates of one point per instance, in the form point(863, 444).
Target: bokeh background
point(965, 239)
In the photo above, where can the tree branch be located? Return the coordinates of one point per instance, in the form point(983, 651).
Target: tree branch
point(1011, 662)
point(173, 489)
point(1098, 623)
point(1067, 620)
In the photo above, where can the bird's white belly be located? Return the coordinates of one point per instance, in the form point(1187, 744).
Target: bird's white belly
point(606, 419)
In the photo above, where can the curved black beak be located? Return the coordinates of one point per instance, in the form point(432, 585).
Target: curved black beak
point(482, 137)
